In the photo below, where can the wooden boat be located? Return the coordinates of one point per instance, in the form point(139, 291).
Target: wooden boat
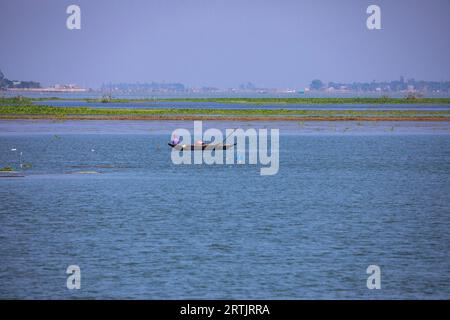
point(203, 146)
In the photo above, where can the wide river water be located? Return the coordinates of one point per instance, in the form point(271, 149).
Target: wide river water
point(347, 195)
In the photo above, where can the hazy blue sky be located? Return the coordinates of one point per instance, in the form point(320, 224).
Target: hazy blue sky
point(224, 42)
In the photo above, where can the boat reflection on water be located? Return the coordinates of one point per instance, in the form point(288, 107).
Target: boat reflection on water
point(201, 146)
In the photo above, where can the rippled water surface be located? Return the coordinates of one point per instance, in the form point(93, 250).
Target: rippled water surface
point(346, 196)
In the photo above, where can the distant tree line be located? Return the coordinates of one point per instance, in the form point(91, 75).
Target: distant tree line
point(391, 86)
point(247, 86)
point(144, 87)
point(8, 84)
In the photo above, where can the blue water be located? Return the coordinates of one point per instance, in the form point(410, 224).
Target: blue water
point(97, 94)
point(206, 105)
point(146, 228)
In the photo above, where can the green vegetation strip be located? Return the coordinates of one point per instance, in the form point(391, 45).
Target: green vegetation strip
point(71, 111)
point(252, 101)
point(262, 101)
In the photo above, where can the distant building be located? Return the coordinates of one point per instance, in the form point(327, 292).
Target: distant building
point(401, 85)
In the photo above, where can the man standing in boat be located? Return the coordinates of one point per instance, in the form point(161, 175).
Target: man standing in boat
point(175, 140)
